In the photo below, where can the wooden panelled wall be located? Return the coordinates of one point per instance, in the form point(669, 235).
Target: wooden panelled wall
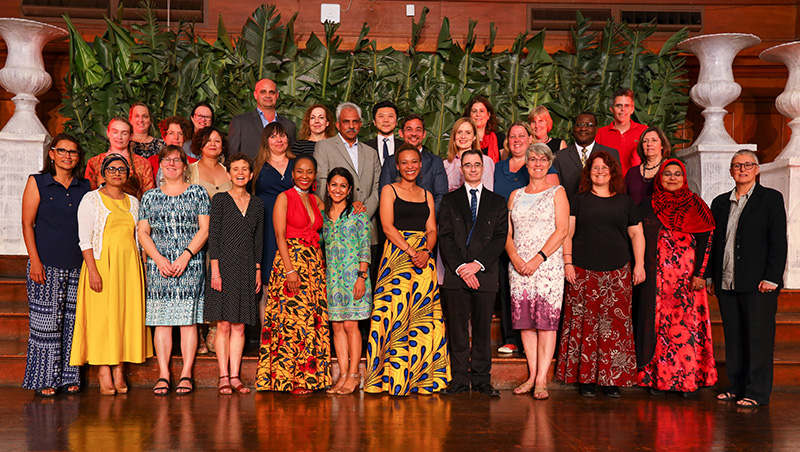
point(753, 117)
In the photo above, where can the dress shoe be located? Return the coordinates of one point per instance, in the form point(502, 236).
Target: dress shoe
point(455, 388)
point(612, 391)
point(655, 391)
point(690, 395)
point(486, 389)
point(588, 389)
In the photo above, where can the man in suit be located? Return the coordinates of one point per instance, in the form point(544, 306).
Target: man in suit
point(623, 133)
point(384, 115)
point(473, 226)
point(570, 161)
point(431, 176)
point(344, 150)
point(244, 134)
point(748, 258)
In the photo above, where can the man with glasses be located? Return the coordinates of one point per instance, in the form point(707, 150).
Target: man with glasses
point(570, 161)
point(473, 226)
point(244, 133)
point(748, 258)
point(623, 134)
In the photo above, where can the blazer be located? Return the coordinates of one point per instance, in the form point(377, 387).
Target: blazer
point(760, 246)
point(568, 165)
point(432, 176)
point(487, 242)
point(244, 133)
point(373, 143)
point(331, 153)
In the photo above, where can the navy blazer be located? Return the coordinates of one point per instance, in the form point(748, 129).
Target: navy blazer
point(431, 177)
point(487, 242)
point(244, 133)
point(760, 246)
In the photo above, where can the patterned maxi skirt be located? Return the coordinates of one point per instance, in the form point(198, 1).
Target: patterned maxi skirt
point(407, 347)
point(295, 347)
point(52, 319)
point(597, 333)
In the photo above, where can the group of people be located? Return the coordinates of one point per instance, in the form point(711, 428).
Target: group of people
point(331, 231)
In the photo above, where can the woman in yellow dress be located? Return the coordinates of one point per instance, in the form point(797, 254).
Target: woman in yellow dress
point(109, 323)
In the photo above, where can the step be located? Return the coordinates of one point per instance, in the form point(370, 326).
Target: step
point(787, 329)
point(13, 266)
point(14, 325)
point(13, 289)
point(788, 301)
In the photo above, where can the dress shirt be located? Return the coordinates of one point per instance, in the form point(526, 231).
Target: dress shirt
point(737, 206)
point(455, 178)
point(352, 151)
point(389, 140)
point(264, 120)
point(467, 186)
point(588, 147)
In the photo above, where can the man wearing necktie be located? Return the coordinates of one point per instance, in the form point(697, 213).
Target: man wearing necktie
point(473, 226)
point(570, 161)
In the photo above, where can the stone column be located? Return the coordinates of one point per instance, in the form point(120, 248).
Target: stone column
point(708, 158)
point(23, 139)
point(784, 173)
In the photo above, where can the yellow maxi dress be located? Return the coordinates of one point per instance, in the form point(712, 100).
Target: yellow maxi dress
point(109, 325)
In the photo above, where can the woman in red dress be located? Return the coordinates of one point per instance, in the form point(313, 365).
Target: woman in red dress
point(672, 328)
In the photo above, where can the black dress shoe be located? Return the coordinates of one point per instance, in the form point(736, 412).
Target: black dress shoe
point(588, 389)
point(690, 395)
point(655, 391)
point(612, 391)
point(486, 389)
point(455, 388)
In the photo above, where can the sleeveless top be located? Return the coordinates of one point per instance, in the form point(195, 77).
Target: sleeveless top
point(56, 227)
point(298, 223)
point(410, 216)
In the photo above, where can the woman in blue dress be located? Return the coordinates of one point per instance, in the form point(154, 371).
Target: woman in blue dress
point(273, 168)
point(173, 227)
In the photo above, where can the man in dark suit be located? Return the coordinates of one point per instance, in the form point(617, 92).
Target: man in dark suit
point(384, 116)
point(244, 133)
point(748, 258)
point(570, 161)
point(473, 226)
point(432, 176)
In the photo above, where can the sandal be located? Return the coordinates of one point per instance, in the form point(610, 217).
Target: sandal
point(183, 390)
point(524, 388)
point(726, 396)
point(225, 389)
point(748, 403)
point(40, 392)
point(157, 389)
point(71, 389)
point(344, 391)
point(540, 393)
point(301, 391)
point(240, 388)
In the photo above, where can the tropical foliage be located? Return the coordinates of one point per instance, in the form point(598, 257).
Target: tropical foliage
point(172, 69)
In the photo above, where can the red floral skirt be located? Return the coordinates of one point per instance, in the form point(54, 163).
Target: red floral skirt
point(597, 333)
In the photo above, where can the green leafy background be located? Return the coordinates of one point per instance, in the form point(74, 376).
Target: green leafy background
point(172, 69)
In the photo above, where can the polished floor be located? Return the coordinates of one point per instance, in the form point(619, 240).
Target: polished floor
point(320, 422)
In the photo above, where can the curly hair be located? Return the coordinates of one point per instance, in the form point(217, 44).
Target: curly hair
point(305, 129)
point(491, 124)
point(615, 185)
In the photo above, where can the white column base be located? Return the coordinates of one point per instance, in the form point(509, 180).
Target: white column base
point(708, 167)
point(784, 176)
point(20, 156)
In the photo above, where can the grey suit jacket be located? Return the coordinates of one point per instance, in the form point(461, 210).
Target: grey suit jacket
point(244, 133)
point(568, 165)
point(331, 153)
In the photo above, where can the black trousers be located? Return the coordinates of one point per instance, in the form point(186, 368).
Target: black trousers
point(748, 321)
point(510, 335)
point(476, 366)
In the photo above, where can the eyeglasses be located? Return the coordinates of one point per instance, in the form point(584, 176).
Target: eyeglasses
point(585, 124)
point(62, 152)
point(539, 160)
point(175, 161)
point(675, 174)
point(601, 169)
point(203, 117)
point(117, 170)
point(747, 166)
point(472, 165)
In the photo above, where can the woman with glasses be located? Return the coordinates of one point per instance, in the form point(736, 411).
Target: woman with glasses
point(597, 332)
point(202, 117)
point(50, 231)
point(109, 322)
point(672, 327)
point(173, 227)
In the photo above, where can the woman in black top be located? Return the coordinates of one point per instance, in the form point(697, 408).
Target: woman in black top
point(407, 349)
point(597, 336)
point(317, 125)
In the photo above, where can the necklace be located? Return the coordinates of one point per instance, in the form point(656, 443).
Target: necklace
point(649, 168)
point(300, 190)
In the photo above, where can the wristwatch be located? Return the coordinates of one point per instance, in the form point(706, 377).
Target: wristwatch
point(362, 274)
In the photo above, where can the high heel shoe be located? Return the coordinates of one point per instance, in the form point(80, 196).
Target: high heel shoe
point(345, 390)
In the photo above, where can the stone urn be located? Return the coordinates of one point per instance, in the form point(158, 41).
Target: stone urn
point(788, 102)
point(24, 74)
point(715, 86)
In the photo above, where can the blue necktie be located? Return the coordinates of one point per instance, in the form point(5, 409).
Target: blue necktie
point(473, 207)
point(386, 149)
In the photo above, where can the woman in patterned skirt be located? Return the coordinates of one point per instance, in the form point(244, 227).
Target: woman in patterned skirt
point(347, 250)
point(50, 230)
point(407, 348)
point(235, 240)
point(173, 227)
point(672, 326)
point(539, 222)
point(597, 332)
point(295, 344)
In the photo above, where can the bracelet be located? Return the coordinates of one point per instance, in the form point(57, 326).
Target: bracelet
point(568, 263)
point(216, 277)
point(544, 256)
point(290, 272)
point(567, 254)
point(190, 251)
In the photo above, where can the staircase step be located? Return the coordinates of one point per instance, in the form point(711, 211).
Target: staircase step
point(788, 301)
point(14, 325)
point(13, 289)
point(787, 331)
point(13, 266)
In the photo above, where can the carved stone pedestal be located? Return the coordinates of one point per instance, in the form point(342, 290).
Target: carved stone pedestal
point(784, 175)
point(707, 167)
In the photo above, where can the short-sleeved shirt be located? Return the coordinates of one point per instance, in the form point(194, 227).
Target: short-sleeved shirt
point(601, 241)
point(625, 143)
point(56, 228)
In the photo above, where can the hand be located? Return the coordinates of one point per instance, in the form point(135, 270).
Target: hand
point(469, 269)
point(293, 282)
point(37, 272)
point(358, 207)
point(530, 267)
point(179, 264)
point(638, 274)
point(258, 279)
point(359, 289)
point(518, 264)
point(472, 282)
point(765, 287)
point(569, 273)
point(710, 289)
point(216, 283)
point(698, 283)
point(95, 281)
point(164, 266)
point(420, 258)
